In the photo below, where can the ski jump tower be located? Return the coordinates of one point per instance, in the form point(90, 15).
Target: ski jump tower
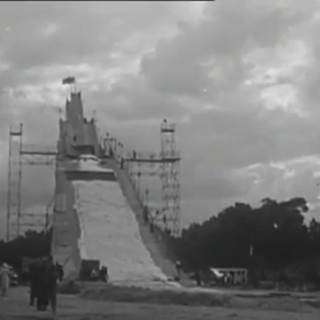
point(164, 164)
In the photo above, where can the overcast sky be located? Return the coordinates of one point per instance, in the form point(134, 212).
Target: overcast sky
point(240, 79)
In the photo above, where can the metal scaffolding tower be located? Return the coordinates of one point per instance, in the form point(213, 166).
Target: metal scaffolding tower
point(170, 177)
point(14, 181)
point(19, 155)
point(166, 165)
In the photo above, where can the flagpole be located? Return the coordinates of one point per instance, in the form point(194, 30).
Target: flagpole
point(71, 82)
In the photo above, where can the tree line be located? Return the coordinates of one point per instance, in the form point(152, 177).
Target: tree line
point(272, 241)
point(32, 244)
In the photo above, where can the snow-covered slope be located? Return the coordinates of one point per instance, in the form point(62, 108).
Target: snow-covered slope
point(110, 233)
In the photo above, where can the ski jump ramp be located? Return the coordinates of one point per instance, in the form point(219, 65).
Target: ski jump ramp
point(107, 231)
point(110, 232)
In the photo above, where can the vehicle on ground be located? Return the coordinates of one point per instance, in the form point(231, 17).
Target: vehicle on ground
point(89, 157)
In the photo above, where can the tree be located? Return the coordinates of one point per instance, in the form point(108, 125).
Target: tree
point(32, 244)
point(276, 231)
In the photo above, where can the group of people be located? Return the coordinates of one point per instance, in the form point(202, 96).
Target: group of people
point(103, 274)
point(44, 275)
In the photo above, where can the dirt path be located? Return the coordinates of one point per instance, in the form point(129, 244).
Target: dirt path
point(16, 307)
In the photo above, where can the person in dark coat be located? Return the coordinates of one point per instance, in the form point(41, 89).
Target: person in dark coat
point(197, 276)
point(60, 272)
point(34, 280)
point(103, 273)
point(48, 288)
point(178, 269)
point(122, 163)
point(151, 227)
point(145, 213)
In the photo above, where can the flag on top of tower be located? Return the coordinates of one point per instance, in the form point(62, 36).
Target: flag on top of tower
point(69, 80)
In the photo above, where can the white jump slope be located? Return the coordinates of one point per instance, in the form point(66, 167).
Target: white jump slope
point(110, 233)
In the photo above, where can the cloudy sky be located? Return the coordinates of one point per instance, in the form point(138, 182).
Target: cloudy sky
point(240, 79)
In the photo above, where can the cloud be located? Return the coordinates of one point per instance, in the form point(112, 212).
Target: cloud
point(69, 32)
point(238, 78)
point(282, 180)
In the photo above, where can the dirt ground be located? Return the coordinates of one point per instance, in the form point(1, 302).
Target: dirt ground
point(15, 307)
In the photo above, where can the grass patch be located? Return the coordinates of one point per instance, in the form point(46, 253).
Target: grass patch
point(162, 297)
